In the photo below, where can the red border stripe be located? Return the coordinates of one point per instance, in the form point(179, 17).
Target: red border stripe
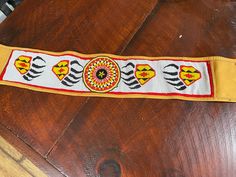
point(120, 93)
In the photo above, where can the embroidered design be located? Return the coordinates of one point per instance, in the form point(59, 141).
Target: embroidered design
point(144, 73)
point(101, 74)
point(69, 73)
point(78, 74)
point(30, 68)
point(22, 64)
point(189, 75)
point(128, 76)
point(61, 69)
point(136, 76)
point(181, 77)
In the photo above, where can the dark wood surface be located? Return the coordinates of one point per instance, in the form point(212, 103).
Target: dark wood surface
point(124, 137)
point(85, 25)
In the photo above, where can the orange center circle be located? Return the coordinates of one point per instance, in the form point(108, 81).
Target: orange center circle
point(102, 74)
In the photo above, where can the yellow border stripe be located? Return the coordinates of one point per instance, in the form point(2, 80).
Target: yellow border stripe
point(223, 73)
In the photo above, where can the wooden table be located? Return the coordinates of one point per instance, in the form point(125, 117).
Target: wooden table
point(105, 137)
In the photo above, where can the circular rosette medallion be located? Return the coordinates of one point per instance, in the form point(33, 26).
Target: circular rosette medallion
point(101, 74)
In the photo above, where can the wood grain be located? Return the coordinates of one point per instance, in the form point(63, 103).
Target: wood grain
point(10, 167)
point(150, 138)
point(124, 137)
point(87, 26)
point(188, 28)
point(161, 138)
point(37, 118)
point(20, 152)
point(14, 164)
